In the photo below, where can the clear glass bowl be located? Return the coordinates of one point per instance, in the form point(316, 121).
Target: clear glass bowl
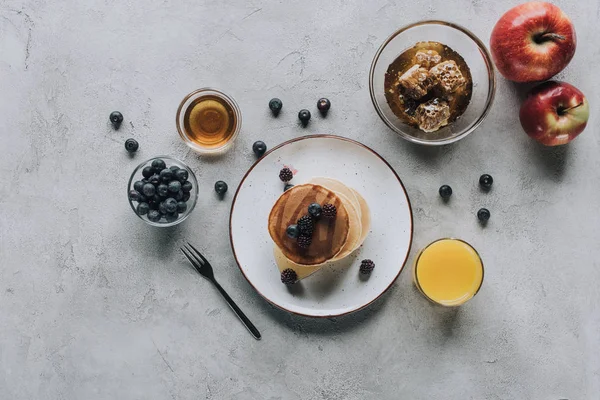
point(464, 43)
point(185, 104)
point(169, 161)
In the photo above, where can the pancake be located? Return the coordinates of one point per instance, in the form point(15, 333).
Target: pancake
point(338, 187)
point(354, 232)
point(303, 271)
point(365, 217)
point(330, 235)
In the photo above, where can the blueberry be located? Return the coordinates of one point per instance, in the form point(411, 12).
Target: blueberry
point(134, 195)
point(181, 175)
point(153, 205)
point(147, 172)
point(154, 215)
point(483, 214)
point(445, 192)
point(173, 168)
point(142, 199)
point(304, 116)
point(186, 196)
point(131, 145)
point(186, 186)
point(162, 190)
point(178, 196)
point(259, 148)
point(154, 179)
point(143, 208)
point(181, 207)
point(220, 187)
point(174, 186)
point(116, 118)
point(172, 217)
point(293, 231)
point(158, 164)
point(315, 210)
point(275, 105)
point(149, 190)
point(138, 185)
point(170, 205)
point(323, 105)
point(166, 175)
point(156, 198)
point(486, 181)
point(162, 208)
point(287, 186)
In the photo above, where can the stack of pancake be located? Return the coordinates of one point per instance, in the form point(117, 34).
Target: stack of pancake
point(333, 239)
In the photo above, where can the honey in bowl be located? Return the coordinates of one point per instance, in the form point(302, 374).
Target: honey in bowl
point(209, 121)
point(428, 86)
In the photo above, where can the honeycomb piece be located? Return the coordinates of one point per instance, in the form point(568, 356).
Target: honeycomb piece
point(427, 58)
point(447, 76)
point(415, 82)
point(432, 115)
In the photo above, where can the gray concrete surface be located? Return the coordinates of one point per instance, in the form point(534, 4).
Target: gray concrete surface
point(94, 304)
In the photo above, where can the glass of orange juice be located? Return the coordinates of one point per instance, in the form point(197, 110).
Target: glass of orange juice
point(448, 272)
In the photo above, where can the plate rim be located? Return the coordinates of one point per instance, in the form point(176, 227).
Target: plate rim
point(320, 136)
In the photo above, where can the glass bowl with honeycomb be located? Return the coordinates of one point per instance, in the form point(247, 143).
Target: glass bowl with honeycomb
point(432, 82)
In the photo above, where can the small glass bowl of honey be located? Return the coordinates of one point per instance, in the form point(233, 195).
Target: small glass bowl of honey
point(208, 121)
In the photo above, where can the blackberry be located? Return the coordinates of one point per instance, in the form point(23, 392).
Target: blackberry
point(366, 266)
point(306, 225)
point(286, 174)
point(304, 241)
point(289, 276)
point(329, 211)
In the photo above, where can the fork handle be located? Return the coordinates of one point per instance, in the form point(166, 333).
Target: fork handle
point(239, 312)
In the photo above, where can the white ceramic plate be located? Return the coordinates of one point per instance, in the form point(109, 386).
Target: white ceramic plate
point(336, 289)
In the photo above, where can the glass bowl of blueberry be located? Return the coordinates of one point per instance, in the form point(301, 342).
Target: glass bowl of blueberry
point(162, 191)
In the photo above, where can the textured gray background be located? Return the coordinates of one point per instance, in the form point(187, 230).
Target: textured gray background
point(94, 304)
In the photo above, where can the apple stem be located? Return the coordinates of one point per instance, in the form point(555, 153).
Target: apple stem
point(563, 111)
point(546, 36)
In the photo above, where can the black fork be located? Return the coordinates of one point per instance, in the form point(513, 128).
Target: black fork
point(204, 268)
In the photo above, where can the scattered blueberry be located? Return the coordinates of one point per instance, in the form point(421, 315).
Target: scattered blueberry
point(147, 172)
point(220, 187)
point(170, 205)
point(158, 164)
point(445, 192)
point(131, 145)
point(181, 207)
point(181, 175)
point(287, 186)
point(483, 214)
point(116, 118)
point(166, 175)
point(259, 148)
point(154, 215)
point(275, 105)
point(143, 208)
point(304, 116)
point(293, 231)
point(154, 179)
point(186, 196)
point(323, 105)
point(138, 185)
point(486, 181)
point(162, 190)
point(172, 217)
point(149, 190)
point(174, 186)
point(186, 186)
point(134, 195)
point(315, 210)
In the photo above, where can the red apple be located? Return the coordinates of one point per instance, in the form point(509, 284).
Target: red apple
point(554, 113)
point(533, 42)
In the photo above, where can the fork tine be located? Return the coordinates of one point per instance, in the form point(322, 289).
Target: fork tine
point(200, 254)
point(201, 264)
point(196, 267)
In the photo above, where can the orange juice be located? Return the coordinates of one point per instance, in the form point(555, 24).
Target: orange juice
point(448, 272)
